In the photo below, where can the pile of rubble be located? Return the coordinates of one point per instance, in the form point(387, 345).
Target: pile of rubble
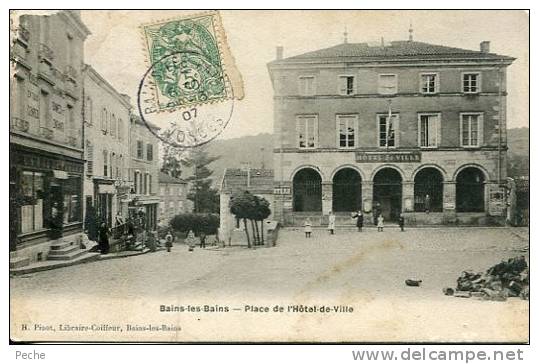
point(506, 279)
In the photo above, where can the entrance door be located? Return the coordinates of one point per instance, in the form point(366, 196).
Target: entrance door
point(387, 194)
point(347, 190)
point(307, 191)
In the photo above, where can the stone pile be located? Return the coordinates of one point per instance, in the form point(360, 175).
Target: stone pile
point(506, 279)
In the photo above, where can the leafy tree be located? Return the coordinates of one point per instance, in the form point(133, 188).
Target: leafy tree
point(246, 206)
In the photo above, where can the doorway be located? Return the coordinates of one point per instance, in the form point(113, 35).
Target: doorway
point(387, 194)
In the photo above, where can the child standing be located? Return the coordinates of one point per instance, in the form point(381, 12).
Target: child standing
point(401, 222)
point(308, 227)
point(168, 241)
point(380, 223)
point(331, 224)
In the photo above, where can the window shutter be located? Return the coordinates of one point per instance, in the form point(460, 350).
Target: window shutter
point(439, 130)
point(338, 132)
point(315, 119)
point(480, 130)
point(356, 132)
point(396, 129)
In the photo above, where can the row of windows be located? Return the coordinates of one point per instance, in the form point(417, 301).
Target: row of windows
point(429, 83)
point(171, 190)
point(429, 130)
point(142, 183)
point(108, 121)
point(140, 150)
point(113, 164)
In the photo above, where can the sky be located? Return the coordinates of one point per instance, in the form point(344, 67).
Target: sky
point(115, 47)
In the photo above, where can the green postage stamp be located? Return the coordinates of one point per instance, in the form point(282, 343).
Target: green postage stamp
point(191, 63)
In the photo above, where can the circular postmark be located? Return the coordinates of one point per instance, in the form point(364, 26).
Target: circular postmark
point(184, 100)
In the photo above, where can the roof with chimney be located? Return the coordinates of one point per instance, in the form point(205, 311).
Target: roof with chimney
point(397, 50)
point(254, 180)
point(168, 179)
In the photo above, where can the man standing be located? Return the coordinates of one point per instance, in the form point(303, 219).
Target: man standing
point(359, 221)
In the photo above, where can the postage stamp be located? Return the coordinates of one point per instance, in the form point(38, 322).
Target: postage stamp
point(191, 62)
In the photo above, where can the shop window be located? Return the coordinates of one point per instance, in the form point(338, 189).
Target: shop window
point(32, 185)
point(72, 195)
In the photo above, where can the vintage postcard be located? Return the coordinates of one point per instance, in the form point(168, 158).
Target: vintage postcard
point(269, 176)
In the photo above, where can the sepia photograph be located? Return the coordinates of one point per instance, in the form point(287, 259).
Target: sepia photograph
point(269, 176)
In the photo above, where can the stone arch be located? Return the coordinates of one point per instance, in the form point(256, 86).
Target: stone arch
point(346, 195)
point(311, 166)
point(486, 174)
point(307, 190)
point(428, 189)
point(351, 166)
point(430, 165)
point(470, 189)
point(383, 166)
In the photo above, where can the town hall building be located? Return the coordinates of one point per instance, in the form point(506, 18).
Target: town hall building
point(406, 127)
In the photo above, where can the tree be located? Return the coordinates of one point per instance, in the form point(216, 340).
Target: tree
point(205, 198)
point(173, 159)
point(246, 206)
point(242, 205)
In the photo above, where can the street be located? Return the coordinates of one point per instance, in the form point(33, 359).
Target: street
point(365, 271)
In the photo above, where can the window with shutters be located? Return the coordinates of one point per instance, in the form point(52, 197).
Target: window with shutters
point(307, 131)
point(471, 129)
point(347, 85)
point(346, 131)
point(429, 83)
point(388, 130)
point(307, 85)
point(149, 152)
point(113, 125)
point(429, 125)
point(471, 82)
point(89, 158)
point(387, 84)
point(105, 163)
point(140, 149)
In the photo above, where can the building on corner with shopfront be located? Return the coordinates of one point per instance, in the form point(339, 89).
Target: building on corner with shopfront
point(403, 127)
point(46, 136)
point(143, 171)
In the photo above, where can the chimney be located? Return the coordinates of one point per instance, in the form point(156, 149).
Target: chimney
point(485, 46)
point(279, 52)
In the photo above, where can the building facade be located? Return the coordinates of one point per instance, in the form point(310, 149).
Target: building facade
point(46, 133)
point(143, 171)
point(106, 138)
point(407, 127)
point(173, 194)
point(256, 181)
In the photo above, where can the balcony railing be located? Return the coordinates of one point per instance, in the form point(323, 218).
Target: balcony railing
point(45, 132)
point(20, 124)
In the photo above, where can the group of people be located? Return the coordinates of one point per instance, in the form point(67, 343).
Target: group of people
point(379, 222)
